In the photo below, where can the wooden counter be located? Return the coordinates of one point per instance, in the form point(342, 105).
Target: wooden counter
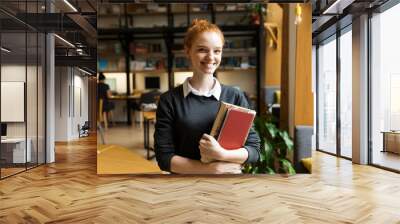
point(113, 159)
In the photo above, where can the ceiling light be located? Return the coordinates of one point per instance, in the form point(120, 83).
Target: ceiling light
point(65, 41)
point(5, 50)
point(80, 51)
point(84, 71)
point(337, 7)
point(70, 5)
point(298, 14)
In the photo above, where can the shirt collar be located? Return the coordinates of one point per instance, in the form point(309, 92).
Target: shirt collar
point(215, 91)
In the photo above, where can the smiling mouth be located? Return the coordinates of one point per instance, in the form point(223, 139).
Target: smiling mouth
point(208, 64)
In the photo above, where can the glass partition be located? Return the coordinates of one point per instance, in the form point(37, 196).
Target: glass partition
point(14, 151)
point(22, 89)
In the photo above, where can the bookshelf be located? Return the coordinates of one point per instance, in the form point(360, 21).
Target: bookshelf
point(148, 38)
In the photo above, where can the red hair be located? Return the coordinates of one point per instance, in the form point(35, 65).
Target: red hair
point(197, 27)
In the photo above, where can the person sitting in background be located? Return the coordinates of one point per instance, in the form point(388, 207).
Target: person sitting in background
point(186, 113)
point(104, 93)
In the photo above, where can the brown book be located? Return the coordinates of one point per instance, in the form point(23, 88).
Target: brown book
point(220, 118)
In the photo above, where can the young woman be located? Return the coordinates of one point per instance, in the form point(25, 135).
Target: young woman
point(185, 114)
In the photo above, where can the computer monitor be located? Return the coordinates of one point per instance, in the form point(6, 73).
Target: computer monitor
point(152, 82)
point(3, 129)
point(112, 83)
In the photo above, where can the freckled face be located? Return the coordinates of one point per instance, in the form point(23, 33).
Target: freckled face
point(205, 53)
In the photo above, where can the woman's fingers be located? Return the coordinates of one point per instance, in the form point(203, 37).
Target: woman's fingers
point(206, 136)
point(228, 168)
point(204, 150)
point(236, 169)
point(205, 144)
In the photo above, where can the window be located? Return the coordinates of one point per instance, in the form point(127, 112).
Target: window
point(385, 88)
point(346, 94)
point(327, 96)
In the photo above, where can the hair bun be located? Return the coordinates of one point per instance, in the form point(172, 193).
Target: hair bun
point(199, 22)
point(199, 26)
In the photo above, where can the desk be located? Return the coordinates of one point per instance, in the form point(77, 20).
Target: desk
point(391, 141)
point(135, 96)
point(148, 116)
point(114, 159)
point(130, 98)
point(13, 150)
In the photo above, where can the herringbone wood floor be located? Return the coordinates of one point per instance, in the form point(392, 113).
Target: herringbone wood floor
point(69, 191)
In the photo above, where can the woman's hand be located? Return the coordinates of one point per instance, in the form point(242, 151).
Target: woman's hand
point(185, 165)
point(224, 168)
point(210, 148)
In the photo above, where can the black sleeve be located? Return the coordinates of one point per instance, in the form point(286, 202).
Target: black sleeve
point(164, 146)
point(252, 144)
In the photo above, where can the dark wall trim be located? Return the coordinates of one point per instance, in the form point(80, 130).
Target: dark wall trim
point(369, 78)
point(316, 96)
point(338, 98)
point(386, 6)
point(338, 24)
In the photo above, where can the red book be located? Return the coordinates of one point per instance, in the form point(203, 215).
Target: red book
point(231, 126)
point(236, 127)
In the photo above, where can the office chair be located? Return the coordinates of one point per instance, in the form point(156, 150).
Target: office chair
point(84, 130)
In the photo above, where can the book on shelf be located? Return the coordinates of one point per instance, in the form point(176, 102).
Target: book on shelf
point(231, 126)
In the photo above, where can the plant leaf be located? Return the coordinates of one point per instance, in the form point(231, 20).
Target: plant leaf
point(262, 156)
point(272, 130)
point(270, 171)
point(286, 138)
point(287, 166)
point(255, 170)
point(269, 154)
point(246, 168)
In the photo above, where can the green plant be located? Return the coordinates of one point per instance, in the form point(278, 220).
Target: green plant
point(258, 8)
point(276, 145)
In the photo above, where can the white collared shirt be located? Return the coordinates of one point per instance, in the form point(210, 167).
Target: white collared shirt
point(215, 91)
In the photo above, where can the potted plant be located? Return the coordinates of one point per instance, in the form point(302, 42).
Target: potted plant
point(276, 146)
point(257, 11)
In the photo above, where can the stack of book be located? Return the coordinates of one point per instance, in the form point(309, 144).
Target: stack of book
point(231, 126)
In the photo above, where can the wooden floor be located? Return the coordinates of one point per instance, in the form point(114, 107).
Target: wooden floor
point(10, 171)
point(69, 191)
point(386, 159)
